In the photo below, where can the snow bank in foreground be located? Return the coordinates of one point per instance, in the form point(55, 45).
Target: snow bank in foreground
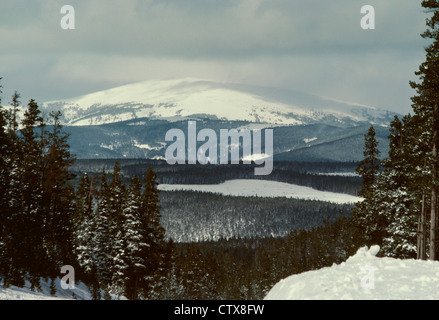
point(363, 277)
point(264, 188)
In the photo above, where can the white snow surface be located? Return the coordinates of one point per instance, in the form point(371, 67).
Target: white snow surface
point(363, 277)
point(80, 292)
point(264, 188)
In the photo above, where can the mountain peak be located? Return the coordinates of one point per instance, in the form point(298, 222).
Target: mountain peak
point(191, 97)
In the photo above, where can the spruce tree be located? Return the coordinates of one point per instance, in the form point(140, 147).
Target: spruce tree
point(369, 167)
point(366, 214)
point(57, 199)
point(5, 149)
point(116, 202)
point(426, 108)
point(14, 221)
point(172, 288)
point(103, 238)
point(155, 233)
point(398, 200)
point(85, 231)
point(32, 246)
point(4, 170)
point(135, 237)
point(12, 114)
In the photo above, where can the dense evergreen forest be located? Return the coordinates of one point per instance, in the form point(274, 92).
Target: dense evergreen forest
point(197, 216)
point(249, 268)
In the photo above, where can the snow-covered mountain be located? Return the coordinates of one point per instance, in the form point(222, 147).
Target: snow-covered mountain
point(131, 121)
point(182, 98)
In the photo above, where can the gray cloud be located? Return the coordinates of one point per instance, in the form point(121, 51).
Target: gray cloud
point(315, 46)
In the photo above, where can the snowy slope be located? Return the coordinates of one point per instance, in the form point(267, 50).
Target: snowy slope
point(265, 188)
point(363, 277)
point(181, 98)
point(80, 292)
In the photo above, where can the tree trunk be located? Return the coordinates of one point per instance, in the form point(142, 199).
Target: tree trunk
point(421, 231)
point(433, 221)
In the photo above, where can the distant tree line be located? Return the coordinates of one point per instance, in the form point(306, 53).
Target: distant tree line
point(309, 174)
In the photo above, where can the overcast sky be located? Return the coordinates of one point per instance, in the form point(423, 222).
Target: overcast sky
point(316, 46)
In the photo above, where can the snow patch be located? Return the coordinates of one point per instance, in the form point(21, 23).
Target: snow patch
point(310, 140)
point(147, 146)
point(80, 292)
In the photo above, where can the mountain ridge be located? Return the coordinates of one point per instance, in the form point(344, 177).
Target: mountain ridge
point(179, 99)
point(131, 121)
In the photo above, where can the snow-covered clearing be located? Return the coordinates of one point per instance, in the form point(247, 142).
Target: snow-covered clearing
point(264, 188)
point(363, 277)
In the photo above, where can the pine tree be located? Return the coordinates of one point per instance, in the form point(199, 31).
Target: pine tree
point(5, 149)
point(32, 191)
point(85, 234)
point(155, 233)
point(57, 199)
point(116, 202)
point(135, 237)
point(172, 288)
point(12, 114)
point(398, 200)
point(103, 238)
point(366, 214)
point(14, 233)
point(4, 170)
point(196, 277)
point(85, 231)
point(369, 167)
point(426, 109)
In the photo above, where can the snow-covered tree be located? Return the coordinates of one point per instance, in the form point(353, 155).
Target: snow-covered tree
point(426, 108)
point(135, 240)
point(103, 238)
point(154, 232)
point(366, 214)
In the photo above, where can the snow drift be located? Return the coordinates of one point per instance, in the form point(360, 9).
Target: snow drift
point(363, 277)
